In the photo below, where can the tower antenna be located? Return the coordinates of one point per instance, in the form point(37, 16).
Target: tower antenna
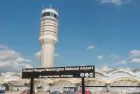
point(50, 5)
point(43, 6)
point(47, 39)
point(57, 9)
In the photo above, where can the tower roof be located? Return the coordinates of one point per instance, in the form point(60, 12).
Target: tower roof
point(50, 10)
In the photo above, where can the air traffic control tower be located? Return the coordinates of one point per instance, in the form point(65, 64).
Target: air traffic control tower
point(48, 36)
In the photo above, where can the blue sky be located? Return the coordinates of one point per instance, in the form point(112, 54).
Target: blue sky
point(104, 33)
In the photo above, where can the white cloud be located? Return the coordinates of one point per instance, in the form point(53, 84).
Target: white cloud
point(123, 62)
point(3, 47)
point(105, 68)
point(90, 47)
point(37, 55)
point(114, 56)
point(100, 57)
point(129, 69)
point(135, 60)
point(134, 53)
point(11, 60)
point(56, 54)
point(128, 1)
point(115, 2)
point(21, 59)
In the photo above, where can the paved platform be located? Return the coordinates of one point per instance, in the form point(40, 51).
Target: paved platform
point(14, 92)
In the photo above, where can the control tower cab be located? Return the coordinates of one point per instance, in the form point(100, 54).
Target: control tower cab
point(48, 36)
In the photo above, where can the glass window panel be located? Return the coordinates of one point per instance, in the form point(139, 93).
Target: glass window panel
point(52, 14)
point(47, 13)
point(44, 14)
point(55, 15)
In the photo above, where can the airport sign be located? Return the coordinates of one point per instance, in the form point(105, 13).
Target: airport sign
point(59, 72)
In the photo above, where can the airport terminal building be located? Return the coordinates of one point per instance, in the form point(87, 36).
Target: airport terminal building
point(115, 81)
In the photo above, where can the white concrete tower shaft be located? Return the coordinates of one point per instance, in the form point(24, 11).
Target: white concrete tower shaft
point(48, 36)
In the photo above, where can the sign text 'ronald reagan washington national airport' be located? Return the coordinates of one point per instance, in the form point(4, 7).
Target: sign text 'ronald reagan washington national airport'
point(59, 72)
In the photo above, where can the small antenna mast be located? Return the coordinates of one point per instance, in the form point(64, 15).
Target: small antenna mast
point(57, 9)
point(50, 5)
point(43, 6)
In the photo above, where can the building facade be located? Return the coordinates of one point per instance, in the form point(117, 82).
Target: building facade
point(115, 81)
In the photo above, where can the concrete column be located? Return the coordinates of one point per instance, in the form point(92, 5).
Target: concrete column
point(47, 55)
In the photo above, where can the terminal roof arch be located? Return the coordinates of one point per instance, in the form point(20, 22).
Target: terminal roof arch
point(15, 74)
point(2, 75)
point(116, 71)
point(124, 78)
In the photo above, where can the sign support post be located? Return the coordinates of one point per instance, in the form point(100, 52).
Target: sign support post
point(83, 85)
point(32, 85)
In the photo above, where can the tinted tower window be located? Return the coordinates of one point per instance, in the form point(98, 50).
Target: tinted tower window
point(49, 14)
point(55, 15)
point(52, 14)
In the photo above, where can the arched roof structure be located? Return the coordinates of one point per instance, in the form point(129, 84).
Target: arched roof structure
point(15, 74)
point(104, 77)
point(133, 73)
point(2, 75)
